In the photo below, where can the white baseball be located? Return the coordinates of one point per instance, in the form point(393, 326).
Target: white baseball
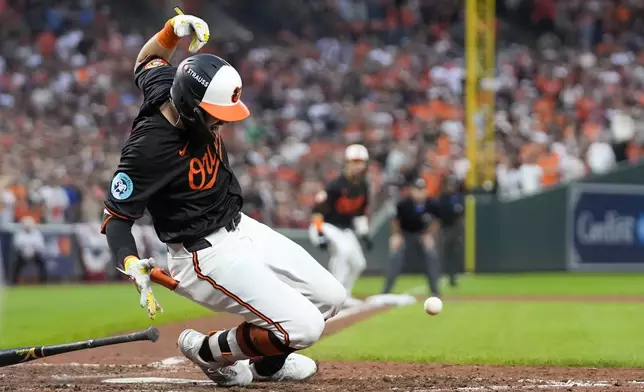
point(433, 305)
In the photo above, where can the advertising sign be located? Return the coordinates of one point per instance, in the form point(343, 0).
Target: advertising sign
point(606, 227)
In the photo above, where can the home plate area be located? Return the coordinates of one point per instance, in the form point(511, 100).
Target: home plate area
point(333, 376)
point(146, 367)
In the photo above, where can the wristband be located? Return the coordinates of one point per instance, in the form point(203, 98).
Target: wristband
point(166, 37)
point(318, 222)
point(128, 260)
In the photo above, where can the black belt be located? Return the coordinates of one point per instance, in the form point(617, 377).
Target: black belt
point(201, 243)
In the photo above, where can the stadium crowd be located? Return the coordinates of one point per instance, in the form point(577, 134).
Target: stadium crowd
point(386, 73)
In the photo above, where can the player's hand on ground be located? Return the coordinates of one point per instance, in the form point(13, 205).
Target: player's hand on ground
point(139, 272)
point(185, 25)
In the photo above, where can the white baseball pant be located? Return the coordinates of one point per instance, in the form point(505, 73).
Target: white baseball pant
point(347, 260)
point(263, 276)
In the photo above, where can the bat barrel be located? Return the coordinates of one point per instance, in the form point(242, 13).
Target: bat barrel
point(151, 334)
point(20, 355)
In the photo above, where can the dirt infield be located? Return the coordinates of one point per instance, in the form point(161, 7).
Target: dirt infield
point(147, 367)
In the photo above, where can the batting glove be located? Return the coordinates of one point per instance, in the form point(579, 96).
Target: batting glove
point(139, 272)
point(185, 25)
point(323, 242)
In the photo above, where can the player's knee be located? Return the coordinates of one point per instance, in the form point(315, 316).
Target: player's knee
point(306, 329)
point(334, 297)
point(329, 295)
point(357, 262)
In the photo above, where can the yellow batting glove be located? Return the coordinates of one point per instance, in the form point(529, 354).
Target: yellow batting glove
point(185, 25)
point(139, 272)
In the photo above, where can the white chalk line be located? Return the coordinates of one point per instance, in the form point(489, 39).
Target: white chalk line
point(169, 362)
point(362, 308)
point(165, 363)
point(88, 365)
point(155, 380)
point(418, 290)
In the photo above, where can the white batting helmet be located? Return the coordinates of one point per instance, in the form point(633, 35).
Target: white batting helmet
point(356, 152)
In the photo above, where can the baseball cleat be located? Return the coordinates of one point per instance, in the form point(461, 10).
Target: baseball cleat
point(236, 375)
point(296, 368)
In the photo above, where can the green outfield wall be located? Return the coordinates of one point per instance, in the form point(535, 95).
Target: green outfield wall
point(534, 233)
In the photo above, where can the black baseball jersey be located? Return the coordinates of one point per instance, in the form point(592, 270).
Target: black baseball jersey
point(415, 217)
point(181, 177)
point(344, 201)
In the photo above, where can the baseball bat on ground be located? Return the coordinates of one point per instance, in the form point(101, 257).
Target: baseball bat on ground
point(20, 355)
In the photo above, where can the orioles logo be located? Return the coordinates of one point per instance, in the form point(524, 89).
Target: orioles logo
point(236, 95)
point(347, 205)
point(203, 171)
point(155, 63)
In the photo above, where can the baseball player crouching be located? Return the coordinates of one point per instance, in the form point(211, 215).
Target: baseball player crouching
point(339, 220)
point(176, 165)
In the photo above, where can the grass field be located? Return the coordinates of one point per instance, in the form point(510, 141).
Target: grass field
point(532, 284)
point(56, 314)
point(531, 333)
point(494, 332)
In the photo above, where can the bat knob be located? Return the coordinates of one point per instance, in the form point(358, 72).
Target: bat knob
point(153, 334)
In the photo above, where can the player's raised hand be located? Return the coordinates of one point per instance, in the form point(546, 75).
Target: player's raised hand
point(139, 272)
point(185, 25)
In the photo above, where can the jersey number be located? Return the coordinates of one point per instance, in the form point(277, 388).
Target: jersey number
point(203, 171)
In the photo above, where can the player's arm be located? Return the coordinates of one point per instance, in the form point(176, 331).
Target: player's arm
point(434, 228)
point(395, 223)
point(18, 240)
point(131, 187)
point(163, 44)
point(435, 208)
point(324, 202)
point(135, 181)
point(396, 238)
point(361, 221)
point(321, 207)
point(40, 244)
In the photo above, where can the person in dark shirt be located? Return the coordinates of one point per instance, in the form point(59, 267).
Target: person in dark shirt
point(416, 224)
point(340, 220)
point(175, 164)
point(452, 207)
point(29, 247)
